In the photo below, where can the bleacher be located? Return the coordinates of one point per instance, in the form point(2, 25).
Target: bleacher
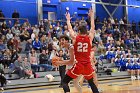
point(41, 80)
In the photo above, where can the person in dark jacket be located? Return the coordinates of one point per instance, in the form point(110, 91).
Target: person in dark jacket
point(28, 46)
point(3, 80)
point(44, 61)
point(15, 14)
point(1, 16)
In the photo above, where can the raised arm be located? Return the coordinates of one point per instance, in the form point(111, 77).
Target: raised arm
point(91, 33)
point(72, 33)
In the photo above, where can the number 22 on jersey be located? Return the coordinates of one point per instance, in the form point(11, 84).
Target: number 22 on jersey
point(82, 47)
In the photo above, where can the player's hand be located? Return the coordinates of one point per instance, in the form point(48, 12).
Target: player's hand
point(68, 16)
point(56, 61)
point(91, 13)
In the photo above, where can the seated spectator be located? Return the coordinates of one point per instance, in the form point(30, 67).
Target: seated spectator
point(66, 32)
point(116, 34)
point(76, 27)
point(27, 68)
point(28, 46)
point(16, 30)
point(41, 32)
point(137, 42)
point(49, 38)
point(110, 44)
point(37, 44)
point(7, 58)
point(118, 44)
point(16, 43)
point(54, 32)
point(14, 56)
point(55, 43)
point(44, 42)
point(10, 44)
point(9, 35)
point(110, 38)
point(9, 24)
point(97, 35)
point(129, 53)
point(128, 41)
point(18, 68)
point(44, 61)
point(33, 35)
point(119, 51)
point(60, 32)
point(2, 46)
point(36, 30)
point(3, 79)
point(1, 57)
point(101, 48)
point(24, 35)
point(34, 60)
point(110, 55)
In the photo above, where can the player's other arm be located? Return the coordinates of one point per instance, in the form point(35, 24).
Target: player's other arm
point(93, 59)
point(72, 33)
point(67, 62)
point(91, 32)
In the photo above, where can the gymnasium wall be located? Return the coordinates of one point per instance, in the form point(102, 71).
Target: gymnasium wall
point(100, 11)
point(134, 13)
point(27, 9)
point(76, 8)
point(53, 6)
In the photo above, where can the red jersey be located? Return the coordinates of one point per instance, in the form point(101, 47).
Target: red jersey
point(82, 49)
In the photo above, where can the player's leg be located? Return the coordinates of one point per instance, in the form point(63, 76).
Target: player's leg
point(73, 73)
point(81, 80)
point(76, 83)
point(93, 86)
point(95, 79)
point(88, 75)
point(62, 70)
point(65, 85)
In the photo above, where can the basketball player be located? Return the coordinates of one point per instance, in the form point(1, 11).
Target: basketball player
point(82, 49)
point(93, 62)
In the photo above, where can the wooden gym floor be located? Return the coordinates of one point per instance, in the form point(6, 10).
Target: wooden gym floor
point(116, 86)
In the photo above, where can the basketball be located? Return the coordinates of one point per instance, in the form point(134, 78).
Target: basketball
point(54, 60)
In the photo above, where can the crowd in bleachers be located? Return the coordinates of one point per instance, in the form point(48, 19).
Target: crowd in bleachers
point(121, 44)
point(116, 41)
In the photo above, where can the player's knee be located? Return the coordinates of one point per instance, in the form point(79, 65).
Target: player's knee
point(90, 80)
point(64, 84)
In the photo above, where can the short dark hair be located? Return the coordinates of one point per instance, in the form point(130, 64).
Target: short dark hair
point(65, 37)
point(82, 29)
point(60, 50)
